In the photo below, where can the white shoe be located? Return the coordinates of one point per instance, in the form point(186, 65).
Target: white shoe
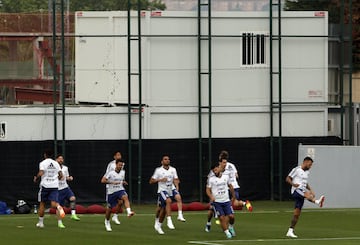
point(158, 229)
point(291, 234)
point(170, 224)
point(207, 228)
point(181, 218)
point(40, 225)
point(156, 225)
point(131, 214)
point(107, 226)
point(115, 219)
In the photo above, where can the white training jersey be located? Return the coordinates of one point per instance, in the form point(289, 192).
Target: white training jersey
point(231, 170)
point(219, 187)
point(170, 174)
point(50, 178)
point(113, 176)
point(299, 176)
point(62, 182)
point(110, 167)
point(210, 174)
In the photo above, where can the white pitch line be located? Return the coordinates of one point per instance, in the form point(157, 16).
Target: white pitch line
point(220, 242)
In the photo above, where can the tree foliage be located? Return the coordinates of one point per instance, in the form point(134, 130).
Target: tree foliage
point(325, 5)
point(20, 6)
point(334, 9)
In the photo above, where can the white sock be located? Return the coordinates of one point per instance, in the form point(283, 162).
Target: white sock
point(291, 229)
point(128, 210)
point(41, 219)
point(73, 211)
point(180, 213)
point(168, 218)
point(115, 215)
point(59, 222)
point(208, 223)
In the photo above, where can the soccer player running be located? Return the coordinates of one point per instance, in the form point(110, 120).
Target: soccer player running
point(50, 173)
point(176, 196)
point(165, 176)
point(300, 189)
point(217, 189)
point(116, 194)
point(65, 192)
point(110, 167)
point(229, 169)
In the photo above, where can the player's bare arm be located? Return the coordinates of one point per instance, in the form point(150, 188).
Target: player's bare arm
point(289, 181)
point(154, 181)
point(176, 183)
point(36, 177)
point(232, 191)
point(210, 195)
point(60, 175)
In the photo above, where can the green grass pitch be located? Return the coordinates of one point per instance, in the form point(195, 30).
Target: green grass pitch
point(267, 224)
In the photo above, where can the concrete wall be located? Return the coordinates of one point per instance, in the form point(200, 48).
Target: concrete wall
point(334, 174)
point(108, 123)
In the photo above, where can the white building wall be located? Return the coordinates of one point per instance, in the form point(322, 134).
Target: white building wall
point(240, 93)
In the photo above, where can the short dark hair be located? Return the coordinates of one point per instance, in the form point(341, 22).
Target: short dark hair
point(117, 152)
point(307, 158)
point(119, 160)
point(224, 154)
point(49, 153)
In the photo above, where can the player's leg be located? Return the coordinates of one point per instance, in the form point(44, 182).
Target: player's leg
point(229, 212)
point(70, 196)
point(157, 214)
point(241, 203)
point(161, 212)
point(162, 215)
point(115, 217)
point(54, 198)
point(219, 209)
point(72, 201)
point(231, 224)
point(41, 213)
point(125, 199)
point(41, 209)
point(224, 222)
point(111, 201)
point(310, 197)
point(178, 200)
point(210, 214)
point(299, 202)
point(107, 217)
point(168, 213)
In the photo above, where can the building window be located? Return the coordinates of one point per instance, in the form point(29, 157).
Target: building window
point(253, 49)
